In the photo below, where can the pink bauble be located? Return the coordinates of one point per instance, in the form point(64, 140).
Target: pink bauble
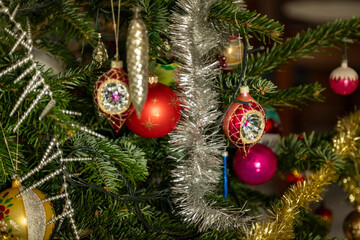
point(344, 80)
point(257, 167)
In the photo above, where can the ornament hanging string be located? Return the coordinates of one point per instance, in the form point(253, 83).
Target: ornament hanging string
point(17, 146)
point(116, 27)
point(242, 80)
point(7, 147)
point(345, 52)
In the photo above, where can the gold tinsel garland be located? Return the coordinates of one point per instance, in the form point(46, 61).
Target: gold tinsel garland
point(347, 143)
point(281, 223)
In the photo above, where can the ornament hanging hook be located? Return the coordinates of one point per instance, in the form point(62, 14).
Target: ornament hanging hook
point(345, 52)
point(116, 27)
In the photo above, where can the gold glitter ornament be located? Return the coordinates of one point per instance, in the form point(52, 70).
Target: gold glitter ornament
point(100, 54)
point(351, 225)
point(137, 57)
point(25, 217)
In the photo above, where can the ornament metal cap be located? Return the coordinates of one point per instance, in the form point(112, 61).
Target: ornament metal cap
point(358, 208)
point(15, 181)
point(344, 63)
point(136, 12)
point(244, 89)
point(153, 79)
point(116, 64)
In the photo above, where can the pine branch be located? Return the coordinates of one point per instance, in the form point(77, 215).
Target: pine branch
point(225, 15)
point(127, 157)
point(71, 22)
point(294, 96)
point(308, 153)
point(156, 19)
point(303, 45)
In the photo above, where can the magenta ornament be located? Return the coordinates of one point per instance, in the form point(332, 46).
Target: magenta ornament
point(344, 80)
point(257, 167)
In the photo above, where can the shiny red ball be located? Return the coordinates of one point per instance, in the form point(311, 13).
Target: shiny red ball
point(160, 114)
point(325, 214)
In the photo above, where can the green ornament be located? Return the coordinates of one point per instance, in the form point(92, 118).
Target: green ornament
point(166, 74)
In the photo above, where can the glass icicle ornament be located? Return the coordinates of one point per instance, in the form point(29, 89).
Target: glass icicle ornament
point(100, 54)
point(137, 57)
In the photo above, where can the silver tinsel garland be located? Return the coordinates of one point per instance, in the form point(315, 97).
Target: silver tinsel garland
point(196, 139)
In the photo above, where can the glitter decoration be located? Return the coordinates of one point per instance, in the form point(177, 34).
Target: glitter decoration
point(112, 95)
point(281, 224)
point(195, 139)
point(346, 143)
point(137, 57)
point(23, 38)
point(100, 54)
point(244, 122)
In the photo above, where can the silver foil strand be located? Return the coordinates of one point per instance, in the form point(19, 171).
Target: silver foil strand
point(68, 112)
point(137, 57)
point(63, 215)
point(26, 91)
point(24, 38)
point(49, 148)
point(75, 159)
point(35, 215)
point(48, 107)
point(57, 197)
point(17, 43)
point(195, 139)
point(36, 218)
point(45, 179)
point(33, 104)
point(16, 65)
point(27, 44)
point(86, 130)
point(41, 166)
point(26, 72)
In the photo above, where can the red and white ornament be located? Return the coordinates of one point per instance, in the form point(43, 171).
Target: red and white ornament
point(159, 115)
point(244, 124)
point(112, 96)
point(344, 80)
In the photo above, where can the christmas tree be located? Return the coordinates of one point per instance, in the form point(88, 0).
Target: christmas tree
point(171, 149)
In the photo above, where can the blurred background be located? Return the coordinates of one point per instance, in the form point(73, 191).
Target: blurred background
point(298, 15)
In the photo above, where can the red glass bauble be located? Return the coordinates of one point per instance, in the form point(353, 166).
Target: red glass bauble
point(160, 114)
point(295, 177)
point(112, 96)
point(344, 80)
point(324, 213)
point(244, 124)
point(256, 167)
